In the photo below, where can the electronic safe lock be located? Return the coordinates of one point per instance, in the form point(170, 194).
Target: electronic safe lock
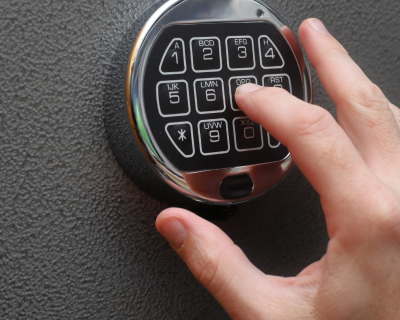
point(184, 69)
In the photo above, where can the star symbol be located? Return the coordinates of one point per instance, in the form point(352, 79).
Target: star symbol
point(182, 135)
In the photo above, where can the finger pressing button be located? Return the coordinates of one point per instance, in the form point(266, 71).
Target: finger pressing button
point(236, 82)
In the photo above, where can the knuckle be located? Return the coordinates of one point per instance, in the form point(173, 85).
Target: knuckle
point(396, 113)
point(209, 269)
point(337, 52)
point(270, 92)
point(333, 55)
point(387, 217)
point(381, 211)
point(261, 97)
point(370, 97)
point(315, 121)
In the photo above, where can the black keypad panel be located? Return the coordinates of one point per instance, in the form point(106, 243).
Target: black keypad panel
point(201, 65)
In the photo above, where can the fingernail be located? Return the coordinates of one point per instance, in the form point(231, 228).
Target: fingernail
point(248, 87)
point(317, 25)
point(175, 233)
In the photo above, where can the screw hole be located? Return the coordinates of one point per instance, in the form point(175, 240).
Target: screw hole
point(260, 13)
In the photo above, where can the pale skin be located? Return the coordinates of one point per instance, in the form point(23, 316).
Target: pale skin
point(353, 164)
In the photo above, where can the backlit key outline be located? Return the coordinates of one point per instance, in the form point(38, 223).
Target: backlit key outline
point(227, 137)
point(173, 142)
point(195, 95)
point(184, 58)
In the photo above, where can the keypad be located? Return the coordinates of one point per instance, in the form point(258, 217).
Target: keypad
point(202, 66)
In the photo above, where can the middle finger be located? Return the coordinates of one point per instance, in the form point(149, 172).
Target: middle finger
point(363, 110)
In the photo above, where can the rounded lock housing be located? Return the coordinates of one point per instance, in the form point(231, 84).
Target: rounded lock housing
point(184, 69)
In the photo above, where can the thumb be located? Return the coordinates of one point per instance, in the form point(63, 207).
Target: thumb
point(219, 264)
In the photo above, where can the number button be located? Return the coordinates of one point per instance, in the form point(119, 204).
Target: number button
point(181, 136)
point(248, 135)
point(236, 82)
point(172, 98)
point(278, 81)
point(273, 143)
point(209, 95)
point(270, 57)
point(174, 58)
point(240, 53)
point(213, 137)
point(206, 54)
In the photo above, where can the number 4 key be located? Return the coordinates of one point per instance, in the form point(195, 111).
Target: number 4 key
point(270, 56)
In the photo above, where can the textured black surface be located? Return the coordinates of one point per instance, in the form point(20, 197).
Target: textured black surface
point(77, 237)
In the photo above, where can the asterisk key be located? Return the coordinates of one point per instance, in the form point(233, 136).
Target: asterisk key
point(182, 134)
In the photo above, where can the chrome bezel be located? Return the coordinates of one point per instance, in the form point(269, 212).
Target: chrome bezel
point(203, 186)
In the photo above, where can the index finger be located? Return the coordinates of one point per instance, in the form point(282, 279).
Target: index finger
point(319, 146)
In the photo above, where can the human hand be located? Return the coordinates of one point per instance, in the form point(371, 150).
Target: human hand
point(353, 165)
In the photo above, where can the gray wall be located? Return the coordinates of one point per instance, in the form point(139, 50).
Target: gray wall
point(77, 237)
